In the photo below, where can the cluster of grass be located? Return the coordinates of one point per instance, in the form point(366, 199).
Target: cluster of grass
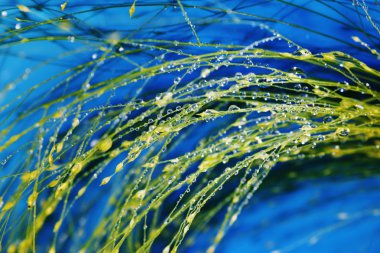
point(140, 138)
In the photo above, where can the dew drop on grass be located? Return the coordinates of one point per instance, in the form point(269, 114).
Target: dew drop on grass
point(239, 76)
point(166, 249)
point(71, 39)
point(298, 86)
point(327, 119)
point(164, 100)
point(233, 219)
point(205, 73)
point(75, 123)
point(233, 108)
point(343, 132)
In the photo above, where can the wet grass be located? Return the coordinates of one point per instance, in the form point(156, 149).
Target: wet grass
point(134, 138)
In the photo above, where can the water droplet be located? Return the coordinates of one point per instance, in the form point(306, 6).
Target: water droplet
point(205, 73)
point(298, 86)
point(233, 108)
point(71, 39)
point(239, 76)
point(343, 131)
point(327, 119)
